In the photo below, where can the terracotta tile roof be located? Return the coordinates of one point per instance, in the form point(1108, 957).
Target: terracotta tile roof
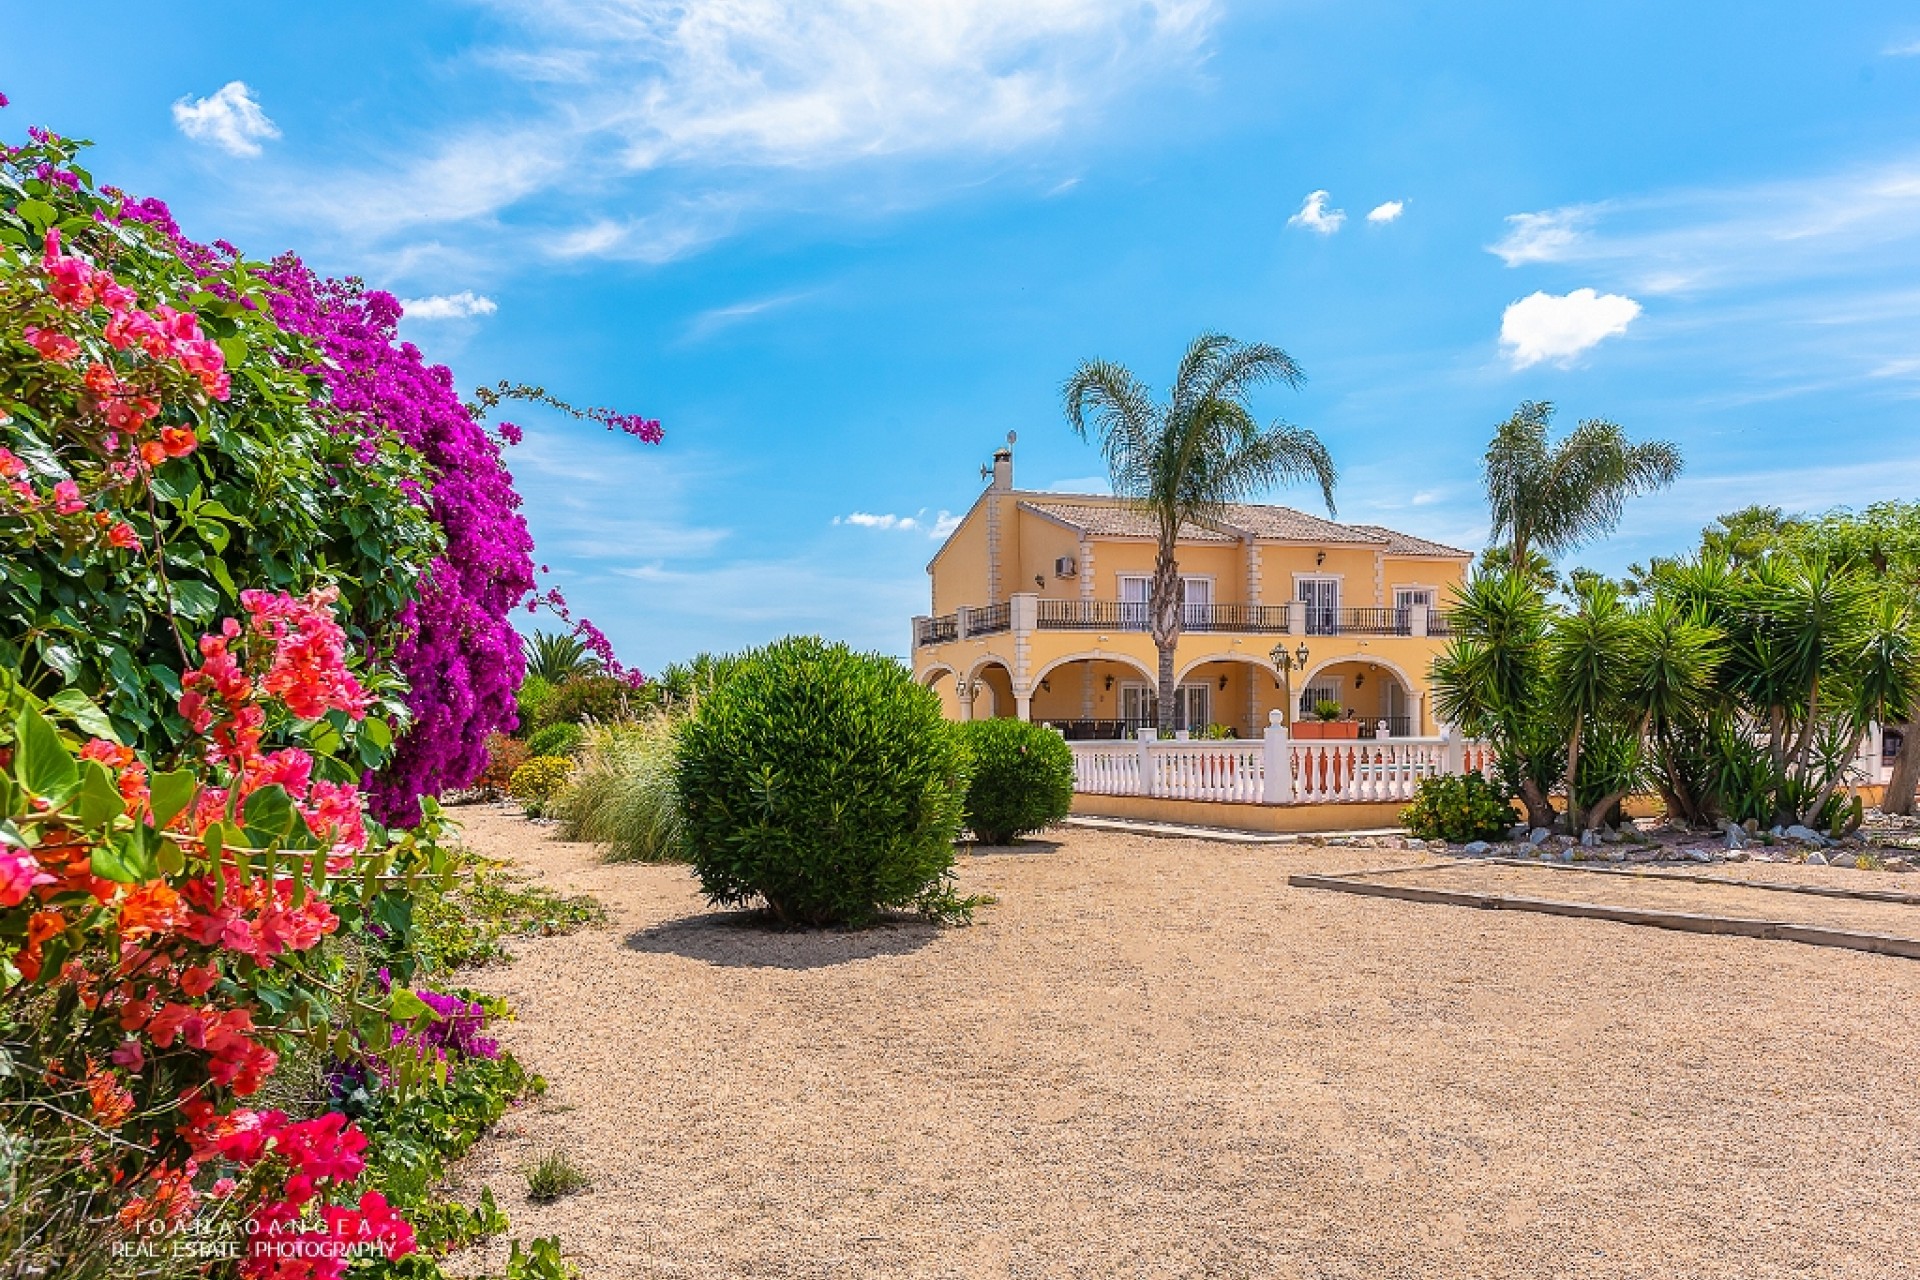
point(1114, 520)
point(1102, 517)
point(1262, 521)
point(1405, 544)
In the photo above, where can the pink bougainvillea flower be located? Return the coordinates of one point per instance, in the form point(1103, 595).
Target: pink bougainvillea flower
point(122, 537)
point(67, 499)
point(51, 345)
point(130, 1055)
point(19, 873)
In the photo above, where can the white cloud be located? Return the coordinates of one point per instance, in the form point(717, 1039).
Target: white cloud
point(228, 118)
point(1381, 214)
point(1905, 49)
point(1696, 240)
point(759, 104)
point(1315, 216)
point(868, 520)
point(1542, 326)
point(1080, 484)
point(715, 319)
point(938, 526)
point(449, 306)
point(1541, 237)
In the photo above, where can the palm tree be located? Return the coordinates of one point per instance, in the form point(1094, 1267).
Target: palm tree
point(556, 657)
point(1555, 497)
point(1185, 460)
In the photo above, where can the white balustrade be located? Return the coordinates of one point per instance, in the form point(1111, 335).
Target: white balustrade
point(1280, 770)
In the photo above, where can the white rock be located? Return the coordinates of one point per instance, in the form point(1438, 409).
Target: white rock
point(1538, 836)
point(1844, 860)
point(1798, 832)
point(1476, 848)
point(1816, 859)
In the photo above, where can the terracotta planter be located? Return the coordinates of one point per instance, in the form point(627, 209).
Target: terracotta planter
point(1312, 729)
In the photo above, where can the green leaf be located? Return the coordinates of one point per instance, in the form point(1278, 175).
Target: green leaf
point(37, 212)
point(269, 815)
point(378, 732)
point(100, 801)
point(127, 859)
point(41, 761)
point(86, 716)
point(172, 793)
point(404, 1006)
point(196, 601)
point(235, 350)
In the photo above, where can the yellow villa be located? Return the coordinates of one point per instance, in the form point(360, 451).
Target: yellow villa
point(1039, 610)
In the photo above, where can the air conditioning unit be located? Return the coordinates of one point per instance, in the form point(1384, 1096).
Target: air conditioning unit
point(1066, 567)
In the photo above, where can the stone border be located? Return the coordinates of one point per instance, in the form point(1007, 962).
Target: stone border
point(1683, 921)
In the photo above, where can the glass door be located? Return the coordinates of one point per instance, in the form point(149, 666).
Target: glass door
point(1405, 601)
point(1134, 593)
point(1193, 705)
point(1196, 603)
point(1321, 599)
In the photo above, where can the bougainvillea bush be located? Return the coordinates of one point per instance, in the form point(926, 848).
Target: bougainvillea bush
point(325, 449)
point(215, 414)
point(211, 569)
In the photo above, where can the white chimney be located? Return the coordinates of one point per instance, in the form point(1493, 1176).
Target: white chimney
point(1003, 469)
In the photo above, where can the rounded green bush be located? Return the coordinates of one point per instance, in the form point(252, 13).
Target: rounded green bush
point(556, 740)
point(1458, 809)
point(1022, 778)
point(540, 778)
point(824, 782)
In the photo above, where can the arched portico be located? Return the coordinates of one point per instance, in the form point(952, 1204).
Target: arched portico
point(1093, 694)
point(1366, 685)
point(945, 682)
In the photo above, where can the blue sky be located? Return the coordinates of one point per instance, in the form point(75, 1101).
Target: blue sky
point(842, 247)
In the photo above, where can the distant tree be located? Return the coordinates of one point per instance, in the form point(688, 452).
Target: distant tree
point(556, 657)
point(1189, 457)
point(1743, 536)
point(1555, 497)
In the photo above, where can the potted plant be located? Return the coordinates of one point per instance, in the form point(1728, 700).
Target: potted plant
point(1326, 723)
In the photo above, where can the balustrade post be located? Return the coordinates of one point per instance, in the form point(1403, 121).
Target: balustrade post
point(1417, 621)
point(1149, 785)
point(1382, 729)
point(1276, 765)
point(1296, 618)
point(919, 628)
point(961, 617)
point(1455, 748)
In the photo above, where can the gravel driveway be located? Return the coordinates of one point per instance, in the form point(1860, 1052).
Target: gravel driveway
point(1153, 1058)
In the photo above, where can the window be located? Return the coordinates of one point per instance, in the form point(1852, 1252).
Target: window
point(1313, 695)
point(1192, 705)
point(1321, 596)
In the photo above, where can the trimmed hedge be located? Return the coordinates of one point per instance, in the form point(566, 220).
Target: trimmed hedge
point(1022, 778)
point(823, 782)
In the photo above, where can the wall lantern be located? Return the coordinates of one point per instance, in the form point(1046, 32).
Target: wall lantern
point(1359, 678)
point(1223, 682)
point(1046, 684)
point(1109, 683)
point(1040, 581)
point(1319, 558)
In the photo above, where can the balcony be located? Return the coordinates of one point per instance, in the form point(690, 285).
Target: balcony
point(1029, 612)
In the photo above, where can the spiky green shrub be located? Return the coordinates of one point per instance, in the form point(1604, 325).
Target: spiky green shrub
point(1458, 809)
point(557, 740)
point(1022, 778)
point(823, 782)
point(622, 796)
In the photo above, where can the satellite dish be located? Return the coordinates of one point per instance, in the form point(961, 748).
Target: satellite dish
point(1011, 437)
